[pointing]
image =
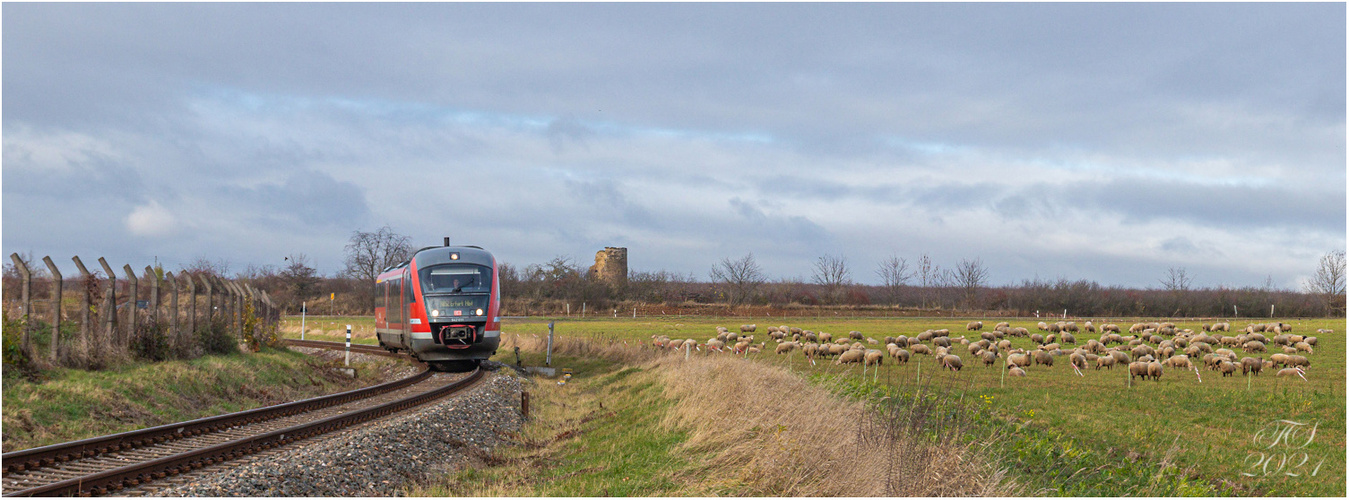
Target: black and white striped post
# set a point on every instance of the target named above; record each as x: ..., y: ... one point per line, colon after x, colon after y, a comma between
x: 348, y: 360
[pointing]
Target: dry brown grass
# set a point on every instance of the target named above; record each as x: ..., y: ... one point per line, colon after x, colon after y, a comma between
x: 768, y: 432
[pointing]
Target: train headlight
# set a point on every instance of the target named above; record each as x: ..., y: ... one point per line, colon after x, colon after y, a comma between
x: 435, y: 312
x: 478, y: 312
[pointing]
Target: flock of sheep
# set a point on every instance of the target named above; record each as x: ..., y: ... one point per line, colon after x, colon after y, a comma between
x: 1147, y: 351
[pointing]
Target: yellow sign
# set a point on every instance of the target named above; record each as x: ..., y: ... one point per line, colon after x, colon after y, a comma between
x: 332, y: 296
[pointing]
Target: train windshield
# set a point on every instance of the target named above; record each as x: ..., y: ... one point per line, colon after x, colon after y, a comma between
x: 456, y: 278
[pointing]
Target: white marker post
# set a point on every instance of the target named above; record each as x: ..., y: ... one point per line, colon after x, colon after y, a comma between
x: 348, y: 360
x: 302, y: 311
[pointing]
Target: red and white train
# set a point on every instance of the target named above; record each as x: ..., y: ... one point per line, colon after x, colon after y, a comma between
x: 441, y: 306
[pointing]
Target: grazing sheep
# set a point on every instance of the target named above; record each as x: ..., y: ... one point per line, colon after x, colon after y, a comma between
x: 1089, y: 327
x: 1105, y: 362
x: 921, y: 349
x: 1249, y: 365
x: 1179, y: 361
x: 1279, y: 359
x: 785, y: 348
x: 855, y: 335
x: 1078, y: 361
x: 1055, y: 328
x: 873, y: 358
x: 1001, y: 324
x: 941, y: 333
x: 989, y: 357
x: 1068, y: 338
x: 797, y: 330
x: 1020, y: 332
x: 952, y: 362
x: 1311, y: 341
x: 1138, y: 369
x: 1016, y: 371
x: 872, y: 341
x: 1324, y: 331
x: 1120, y: 356
x: 901, y: 356
x: 1286, y: 372
x: 1019, y: 359
x: 850, y: 356
x: 1289, y: 350
x: 1155, y: 371
x: 824, y: 338
x: 1141, y: 351
x: 1253, y: 346
x: 1044, y: 358
x: 1037, y: 338
x: 747, y: 328
x: 941, y: 341
x: 1227, y: 368
x: 1302, y: 361
x: 1042, y: 326
x: 974, y: 326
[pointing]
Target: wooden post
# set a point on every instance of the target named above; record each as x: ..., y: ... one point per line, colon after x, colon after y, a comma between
x: 133, y: 322
x: 151, y: 275
x: 56, y: 307
x: 174, y: 333
x: 87, y: 328
x: 26, y: 293
x: 110, y: 307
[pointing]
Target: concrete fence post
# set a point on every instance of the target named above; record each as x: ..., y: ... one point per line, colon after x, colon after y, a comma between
x: 151, y: 275
x: 132, y: 321
x: 87, y: 328
x: 242, y: 300
x: 110, y: 307
x: 26, y: 294
x: 191, y: 306
x: 175, y: 335
x: 56, y: 307
x: 210, y: 298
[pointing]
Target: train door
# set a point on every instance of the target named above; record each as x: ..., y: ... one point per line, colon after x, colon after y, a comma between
x: 406, y: 305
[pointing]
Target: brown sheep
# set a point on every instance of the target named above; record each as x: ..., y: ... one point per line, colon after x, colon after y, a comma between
x: 855, y: 335
x: 850, y: 356
x: 1179, y: 361
x: 1303, y: 347
x: 974, y: 326
x: 1078, y: 361
x: 900, y: 355
x: 824, y: 337
x: 1287, y: 372
x: 1141, y: 351
x: 1001, y: 324
x: 1016, y: 371
x: 921, y: 349
x: 1019, y: 359
x: 1253, y: 346
x: 990, y: 358
x: 1044, y: 358
x: 1299, y: 361
x: 1068, y: 338
x: 1249, y: 365
x: 1227, y: 368
x: 1037, y: 338
x: 747, y: 328
x: 1138, y: 369
x: 1042, y: 326
x: 785, y: 348
x: 1155, y: 371
x: 1107, y: 362
x: 952, y: 362
x: 942, y: 342
x: 874, y: 357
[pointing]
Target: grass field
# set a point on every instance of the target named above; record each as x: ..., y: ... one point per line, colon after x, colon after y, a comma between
x: 1225, y: 432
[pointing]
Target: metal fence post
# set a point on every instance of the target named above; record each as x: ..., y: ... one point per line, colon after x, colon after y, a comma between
x: 56, y: 307
x: 549, y: 357
x: 26, y: 293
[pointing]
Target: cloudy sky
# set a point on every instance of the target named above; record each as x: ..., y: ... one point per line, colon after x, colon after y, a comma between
x: 1106, y: 142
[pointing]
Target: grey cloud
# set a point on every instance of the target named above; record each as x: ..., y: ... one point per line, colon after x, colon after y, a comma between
x: 308, y: 199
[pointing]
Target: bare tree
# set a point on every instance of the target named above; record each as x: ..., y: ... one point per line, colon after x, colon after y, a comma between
x: 969, y: 277
x: 741, y: 277
x: 1328, y: 281
x: 894, y: 273
x: 202, y: 265
x: 300, y: 277
x: 832, y: 273
x: 369, y: 253
x: 1176, y: 280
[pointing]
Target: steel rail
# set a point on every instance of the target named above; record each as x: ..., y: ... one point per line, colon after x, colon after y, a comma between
x: 101, y: 483
x: 46, y: 456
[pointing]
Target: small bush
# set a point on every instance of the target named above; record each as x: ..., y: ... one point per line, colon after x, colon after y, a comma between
x: 215, y: 338
x: 13, y: 342
x: 152, y: 341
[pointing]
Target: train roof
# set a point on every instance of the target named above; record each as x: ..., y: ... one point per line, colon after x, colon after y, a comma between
x: 430, y: 256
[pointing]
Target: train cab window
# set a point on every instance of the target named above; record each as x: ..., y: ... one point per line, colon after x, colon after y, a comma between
x: 456, y: 278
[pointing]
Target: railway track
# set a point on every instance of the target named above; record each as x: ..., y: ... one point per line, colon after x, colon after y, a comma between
x: 101, y: 465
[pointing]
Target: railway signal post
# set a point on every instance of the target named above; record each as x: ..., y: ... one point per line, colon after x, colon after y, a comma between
x: 347, y: 362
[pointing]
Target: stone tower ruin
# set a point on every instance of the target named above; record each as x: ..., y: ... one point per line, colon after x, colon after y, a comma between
x: 611, y: 265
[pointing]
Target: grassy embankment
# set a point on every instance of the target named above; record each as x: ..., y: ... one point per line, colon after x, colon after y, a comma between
x: 64, y: 405
x: 1093, y: 434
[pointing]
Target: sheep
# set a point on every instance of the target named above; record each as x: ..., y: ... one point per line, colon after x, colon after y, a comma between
x: 1068, y: 338
x: 873, y: 358
x: 1311, y: 341
x: 1055, y: 328
x: 902, y: 341
x: 1249, y: 365
x: 1141, y: 351
x: 1021, y: 332
x: 1179, y: 361
x: 810, y: 349
x: 1107, y: 362
x: 1019, y: 359
x: 988, y: 336
x: 989, y: 357
x: 1089, y: 327
x: 1155, y: 371
x: 941, y: 332
x: 715, y: 345
x: 740, y: 347
x: 785, y: 348
x: 1042, y: 326
x: 1120, y: 356
x: 1037, y: 338
x: 1004, y: 344
x: 754, y: 349
x: 1289, y: 350
x: 1279, y: 359
x: 1016, y: 371
x: 1138, y: 369
x: 974, y: 326
x: 1253, y: 346
x: 824, y: 338
x: 1227, y: 368
x: 1044, y: 358
x: 1299, y: 361
x: 1324, y: 331
x: 952, y: 362
x: 921, y: 349
x: 855, y: 335
x: 941, y: 341
x: 1078, y: 361
x: 1303, y: 347
x: 900, y: 355
x: 1285, y: 327
x: 1002, y: 324
x: 850, y: 356
x: 747, y: 328
x: 1287, y: 372
x: 797, y: 330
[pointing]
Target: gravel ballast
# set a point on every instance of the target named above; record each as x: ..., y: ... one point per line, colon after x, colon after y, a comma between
x: 378, y: 458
